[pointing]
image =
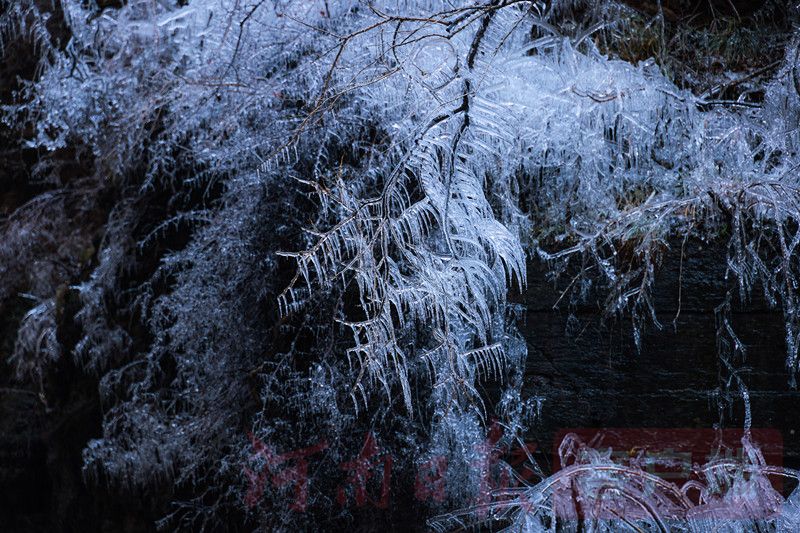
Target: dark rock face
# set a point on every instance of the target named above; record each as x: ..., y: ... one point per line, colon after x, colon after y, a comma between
x: 591, y: 376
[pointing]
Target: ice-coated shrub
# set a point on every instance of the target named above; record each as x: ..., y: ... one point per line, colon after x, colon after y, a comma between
x: 318, y: 210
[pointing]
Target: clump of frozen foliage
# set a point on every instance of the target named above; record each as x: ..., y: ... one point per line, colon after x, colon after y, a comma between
x: 407, y: 158
x: 591, y: 491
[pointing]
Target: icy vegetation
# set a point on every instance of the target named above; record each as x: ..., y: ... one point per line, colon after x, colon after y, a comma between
x: 736, y: 496
x: 313, y: 213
